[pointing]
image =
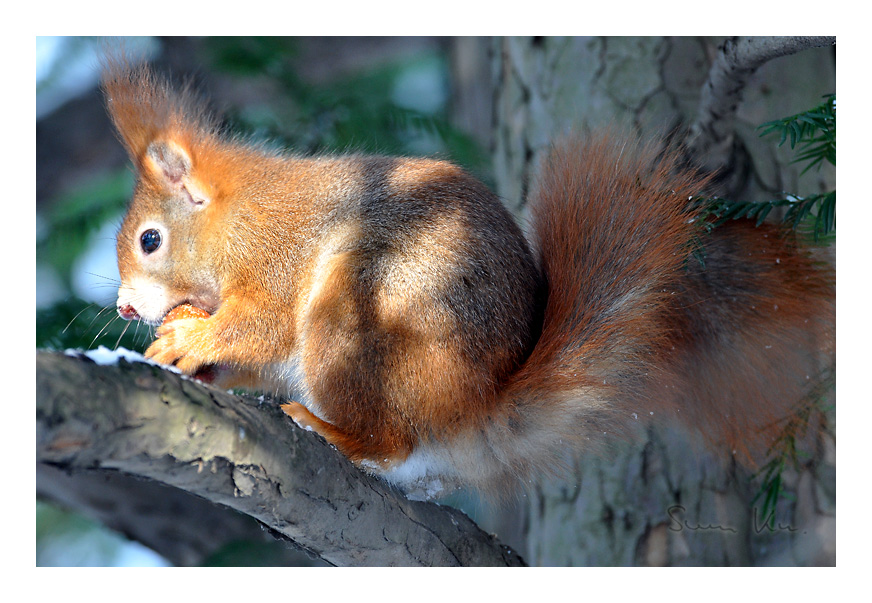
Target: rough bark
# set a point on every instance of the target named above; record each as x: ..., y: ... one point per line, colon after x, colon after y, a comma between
x: 140, y: 420
x: 710, y: 138
x: 547, y: 87
x: 658, y: 501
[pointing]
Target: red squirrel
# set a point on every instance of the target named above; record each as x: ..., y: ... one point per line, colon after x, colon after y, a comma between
x: 424, y: 335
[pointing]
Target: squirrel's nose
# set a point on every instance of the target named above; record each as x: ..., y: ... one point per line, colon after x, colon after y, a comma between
x: 127, y: 312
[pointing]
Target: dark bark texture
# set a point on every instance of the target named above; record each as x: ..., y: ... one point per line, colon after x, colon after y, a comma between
x: 113, y: 427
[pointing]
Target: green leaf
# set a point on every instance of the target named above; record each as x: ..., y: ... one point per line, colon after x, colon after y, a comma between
x: 813, y: 132
x: 765, y: 208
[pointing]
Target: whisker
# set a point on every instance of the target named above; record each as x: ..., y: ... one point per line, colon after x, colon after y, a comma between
x: 102, y: 286
x: 96, y: 316
x: 136, y: 332
x: 69, y: 324
x: 105, y: 278
x: 123, y: 331
x: 106, y: 326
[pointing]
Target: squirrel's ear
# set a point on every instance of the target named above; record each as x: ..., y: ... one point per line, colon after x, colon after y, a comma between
x: 152, y: 118
x: 168, y: 161
x: 171, y: 164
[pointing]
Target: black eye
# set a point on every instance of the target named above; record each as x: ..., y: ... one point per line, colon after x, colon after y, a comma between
x: 150, y: 240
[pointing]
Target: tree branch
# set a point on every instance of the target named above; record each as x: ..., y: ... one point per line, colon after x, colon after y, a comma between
x: 144, y: 421
x: 185, y: 529
x: 710, y: 137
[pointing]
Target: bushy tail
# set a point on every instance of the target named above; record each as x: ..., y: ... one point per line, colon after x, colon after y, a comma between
x: 648, y: 316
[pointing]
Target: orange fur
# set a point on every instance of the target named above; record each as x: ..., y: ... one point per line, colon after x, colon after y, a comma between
x: 401, y: 302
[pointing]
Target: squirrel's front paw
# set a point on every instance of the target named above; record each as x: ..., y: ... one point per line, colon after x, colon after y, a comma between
x: 180, y: 343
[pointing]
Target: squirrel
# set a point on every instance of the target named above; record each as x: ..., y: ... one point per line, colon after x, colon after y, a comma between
x: 422, y: 333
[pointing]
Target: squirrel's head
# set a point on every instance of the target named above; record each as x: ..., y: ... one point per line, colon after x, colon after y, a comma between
x: 165, y: 256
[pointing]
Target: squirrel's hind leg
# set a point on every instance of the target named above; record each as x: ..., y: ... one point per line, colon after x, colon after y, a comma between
x: 343, y: 442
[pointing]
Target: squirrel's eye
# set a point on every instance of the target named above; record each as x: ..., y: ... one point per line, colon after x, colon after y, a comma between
x: 150, y: 240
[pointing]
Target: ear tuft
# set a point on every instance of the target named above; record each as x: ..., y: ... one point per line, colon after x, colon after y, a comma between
x: 169, y: 162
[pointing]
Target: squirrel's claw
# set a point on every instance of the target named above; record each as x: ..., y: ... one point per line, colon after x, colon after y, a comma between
x: 178, y: 344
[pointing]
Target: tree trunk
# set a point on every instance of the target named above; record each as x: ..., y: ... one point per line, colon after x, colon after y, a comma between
x: 657, y: 501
